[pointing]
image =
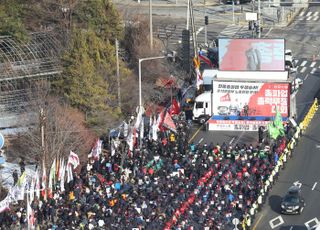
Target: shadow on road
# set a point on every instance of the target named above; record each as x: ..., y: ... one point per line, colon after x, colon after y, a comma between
x: 274, y: 203
x: 293, y: 227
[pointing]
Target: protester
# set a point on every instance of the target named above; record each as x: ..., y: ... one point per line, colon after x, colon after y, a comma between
x: 165, y: 184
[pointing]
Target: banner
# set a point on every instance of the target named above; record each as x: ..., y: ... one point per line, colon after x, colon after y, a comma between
x: 236, y: 125
x: 251, y: 54
x: 250, y: 99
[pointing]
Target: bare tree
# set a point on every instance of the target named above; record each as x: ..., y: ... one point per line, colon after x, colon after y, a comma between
x: 64, y: 130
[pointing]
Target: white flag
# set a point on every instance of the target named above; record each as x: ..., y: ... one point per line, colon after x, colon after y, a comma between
x: 142, y: 129
x: 155, y: 128
x: 69, y: 173
x: 73, y: 160
x: 32, y: 186
x: 139, y: 119
x: 62, y: 174
x: 130, y: 140
x: 30, y: 215
x: 37, y: 184
x: 96, y: 150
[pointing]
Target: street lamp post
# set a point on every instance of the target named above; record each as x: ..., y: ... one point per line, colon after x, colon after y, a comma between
x: 140, y: 93
x: 141, y: 60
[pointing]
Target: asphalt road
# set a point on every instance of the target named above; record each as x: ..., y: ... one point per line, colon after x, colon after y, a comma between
x: 303, y: 38
x: 304, y: 168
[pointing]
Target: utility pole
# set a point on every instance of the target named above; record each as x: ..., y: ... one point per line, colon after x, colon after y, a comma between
x: 259, y: 17
x: 118, y: 73
x: 188, y: 14
x: 151, y: 32
x: 194, y: 35
x: 233, y: 12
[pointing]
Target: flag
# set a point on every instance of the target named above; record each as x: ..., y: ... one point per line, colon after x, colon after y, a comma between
x: 52, y: 179
x: 150, y: 128
x: 273, y: 131
x: 58, y: 163
x: 130, y: 140
x: 32, y: 187
x: 199, y: 78
x: 142, y: 129
x: 44, y: 182
x: 155, y: 129
x: 37, y: 185
x: 138, y: 119
x: 160, y: 120
x: 20, y: 188
x: 278, y: 123
x: 73, y: 159
x: 30, y: 215
x: 69, y: 173
x: 168, y: 123
x: 73, y: 162
x: 61, y: 175
x: 175, y: 107
x: 96, y: 150
x: 62, y: 169
x: 206, y: 60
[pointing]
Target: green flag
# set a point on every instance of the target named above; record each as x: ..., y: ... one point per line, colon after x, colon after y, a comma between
x: 273, y: 131
x: 278, y: 122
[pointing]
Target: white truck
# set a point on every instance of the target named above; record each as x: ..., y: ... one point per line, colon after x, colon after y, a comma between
x: 208, y: 75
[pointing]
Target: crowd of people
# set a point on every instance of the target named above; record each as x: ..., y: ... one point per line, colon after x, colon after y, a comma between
x: 165, y: 184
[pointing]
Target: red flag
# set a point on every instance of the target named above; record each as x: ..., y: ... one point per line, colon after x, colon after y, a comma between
x: 175, y: 108
x: 206, y: 60
x: 160, y: 120
x: 168, y: 123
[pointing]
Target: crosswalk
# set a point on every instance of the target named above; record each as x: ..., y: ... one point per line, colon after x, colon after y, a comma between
x: 235, y: 31
x: 309, y: 16
x: 307, y: 66
x: 173, y: 32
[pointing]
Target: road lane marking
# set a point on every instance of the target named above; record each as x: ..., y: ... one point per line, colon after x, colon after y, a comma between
x: 297, y: 183
x: 314, y: 220
x: 313, y: 70
x: 258, y: 221
x: 303, y: 69
x: 309, y: 18
x: 231, y: 140
x: 291, y: 227
x: 316, y: 18
x: 306, y: 77
x: 303, y: 63
x: 314, y: 186
x: 199, y: 30
x: 200, y: 140
x: 309, y: 13
x: 302, y: 13
x: 318, y: 146
x: 316, y: 13
x: 279, y: 221
x: 195, y: 134
x: 313, y: 64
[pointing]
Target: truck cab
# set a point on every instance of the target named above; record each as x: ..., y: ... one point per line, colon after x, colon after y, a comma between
x: 202, y: 107
x: 289, y: 61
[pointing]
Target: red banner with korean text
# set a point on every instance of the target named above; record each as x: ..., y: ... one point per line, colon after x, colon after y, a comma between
x: 250, y: 99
